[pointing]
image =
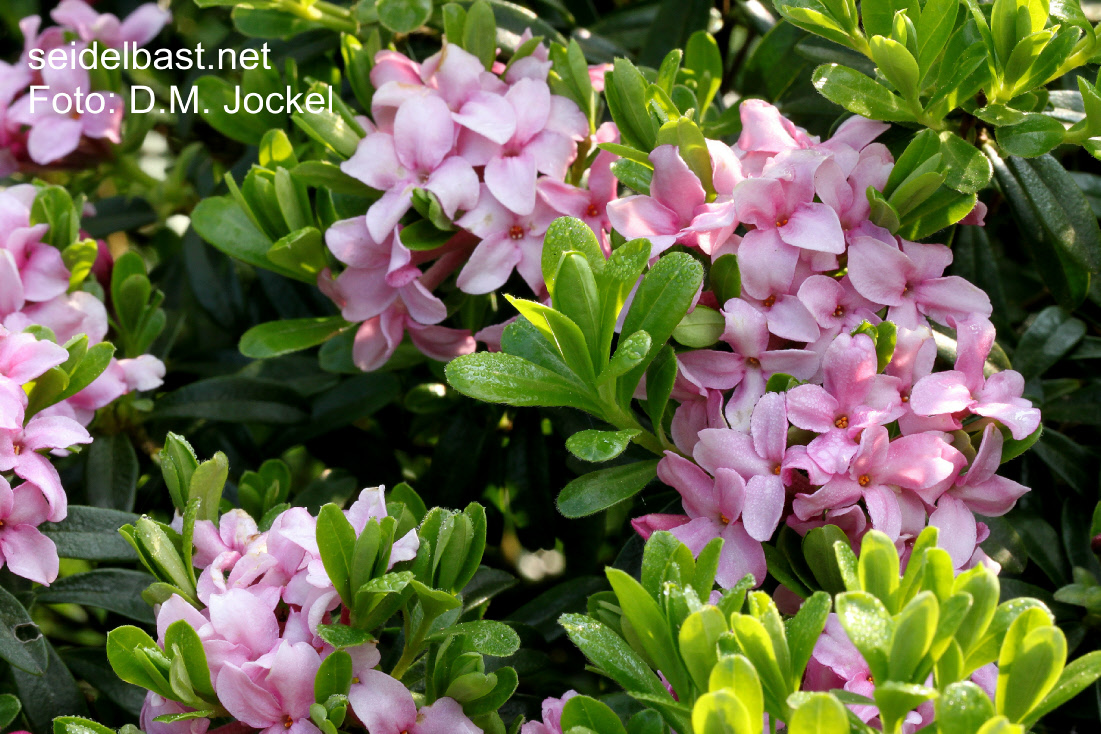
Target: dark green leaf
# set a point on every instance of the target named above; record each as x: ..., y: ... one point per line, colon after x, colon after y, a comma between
x: 590, y: 493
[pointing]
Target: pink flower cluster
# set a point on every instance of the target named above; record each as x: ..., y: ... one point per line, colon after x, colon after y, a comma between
x: 34, y: 284
x: 34, y: 291
x: 851, y: 445
x: 54, y: 125
x: 494, y: 149
x: 265, y: 593
x: 835, y: 663
x: 39, y: 497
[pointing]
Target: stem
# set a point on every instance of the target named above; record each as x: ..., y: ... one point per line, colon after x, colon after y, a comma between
x: 412, y: 648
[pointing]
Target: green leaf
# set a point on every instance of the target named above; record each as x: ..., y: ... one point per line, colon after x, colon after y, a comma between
x: 506, y: 378
x: 334, y: 127
x: 597, y: 446
x: 234, y: 399
x: 566, y: 336
x: 403, y: 16
x: 591, y: 714
x: 660, y: 377
x: 336, y: 540
x: 137, y: 659
x: 111, y: 473
x: 896, y: 64
x: 625, y: 94
x: 21, y: 642
x: 568, y: 234
x: 1050, y: 336
x: 578, y: 300
x: 803, y: 632
x: 629, y: 353
x: 966, y: 169
x: 276, y: 338
x: 963, y: 708
x: 301, y: 250
x: 700, y: 328
x: 661, y: 301
x: 722, y: 712
x: 480, y: 33
x: 341, y: 636
x: 486, y: 636
x: 216, y: 94
x: 1062, y: 209
x: 1068, y: 282
x: 699, y: 643
x: 9, y: 709
x: 1075, y: 678
x: 116, y: 589
x: 1032, y: 671
x: 91, y: 533
x: 590, y: 493
x: 859, y: 94
x: 818, y: 546
x: 607, y: 651
x: 207, y: 484
x: 820, y: 713
x: 725, y: 279
x: 223, y: 224
x: 914, y: 630
x: 702, y: 58
x: 78, y: 725
x: 870, y: 628
x: 325, y: 174
x: 895, y: 700
x: 334, y: 677
x: 1036, y: 135
x: 184, y: 643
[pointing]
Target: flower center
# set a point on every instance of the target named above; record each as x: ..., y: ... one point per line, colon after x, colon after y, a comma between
x: 905, y: 397
x: 839, y: 311
x: 842, y: 422
x: 516, y: 232
x: 288, y: 722
x: 725, y: 519
x: 753, y: 362
x: 593, y: 210
x: 770, y: 301
x: 776, y: 469
x: 781, y: 222
x: 16, y: 449
x: 864, y: 480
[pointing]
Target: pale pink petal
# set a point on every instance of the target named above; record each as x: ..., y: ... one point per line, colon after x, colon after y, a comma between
x: 384, y: 214
x: 789, y: 319
x: 423, y: 133
x: 489, y: 115
x: 812, y: 408
x: 511, y: 179
x: 455, y: 184
x: 946, y: 300
x: 552, y: 153
x: 878, y: 271
x: 883, y: 509
x: 764, y: 505
x: 814, y: 226
x: 643, y: 216
x: 442, y: 343
x: 489, y: 266
x: 376, y: 163
x: 767, y: 264
x: 674, y: 184
x: 383, y: 704
x: 245, y: 700
x: 376, y: 339
x: 53, y: 138
x: 740, y: 555
x: 445, y: 716
x: 29, y: 553
x: 942, y: 392
x: 958, y: 532
x: 695, y: 487
x: 531, y: 103
x: 143, y: 25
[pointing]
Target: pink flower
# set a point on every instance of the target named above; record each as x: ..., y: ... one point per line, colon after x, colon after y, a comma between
x: 23, y: 549
x: 765, y: 132
x: 19, y: 453
x: 543, y: 139
x: 30, y: 270
x: 552, y: 716
x: 509, y: 241
x: 22, y: 359
x: 835, y: 305
x: 880, y: 473
x: 591, y: 205
x: 379, y: 273
x: 676, y: 211
x: 758, y: 457
x: 747, y: 331
x: 377, y: 338
x: 979, y: 490
x: 155, y: 706
x: 140, y: 27
x: 275, y: 693
x: 418, y: 154
x: 385, y: 706
x: 851, y: 398
x: 55, y: 134
x: 715, y: 510
x: 966, y: 389
x: 910, y: 281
